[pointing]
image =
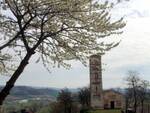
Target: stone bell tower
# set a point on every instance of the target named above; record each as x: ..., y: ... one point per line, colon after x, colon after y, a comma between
x: 96, y: 82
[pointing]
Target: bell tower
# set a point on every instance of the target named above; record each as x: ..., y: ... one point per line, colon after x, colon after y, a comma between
x: 96, y: 82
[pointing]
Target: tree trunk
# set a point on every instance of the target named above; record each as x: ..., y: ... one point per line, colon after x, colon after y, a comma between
x: 135, y: 101
x: 65, y: 108
x: 135, y: 106
x: 9, y: 85
x: 148, y: 108
x: 126, y: 105
x: 142, y: 105
x: 1, y: 110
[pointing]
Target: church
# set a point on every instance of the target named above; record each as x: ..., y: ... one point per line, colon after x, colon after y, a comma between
x: 102, y: 99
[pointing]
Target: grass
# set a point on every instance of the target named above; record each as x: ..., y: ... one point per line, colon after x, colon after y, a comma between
x: 106, y: 111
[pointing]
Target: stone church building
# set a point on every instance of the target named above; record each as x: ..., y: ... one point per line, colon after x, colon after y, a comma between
x: 102, y: 99
x: 113, y: 99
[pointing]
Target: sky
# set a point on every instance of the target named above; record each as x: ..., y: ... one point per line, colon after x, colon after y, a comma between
x: 131, y: 54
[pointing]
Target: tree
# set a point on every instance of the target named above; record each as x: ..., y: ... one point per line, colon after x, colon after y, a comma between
x: 84, y: 97
x: 143, y: 91
x: 66, y: 100
x: 133, y: 83
x: 128, y: 100
x: 54, y: 30
x: 137, y: 91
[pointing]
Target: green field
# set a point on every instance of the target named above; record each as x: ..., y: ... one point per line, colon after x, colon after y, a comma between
x: 106, y: 111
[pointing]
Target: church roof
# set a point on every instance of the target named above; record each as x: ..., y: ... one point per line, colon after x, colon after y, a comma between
x: 112, y: 90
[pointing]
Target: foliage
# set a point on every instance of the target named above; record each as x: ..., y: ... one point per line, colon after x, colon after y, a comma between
x: 31, y: 105
x: 106, y: 111
x: 65, y: 100
x: 66, y: 103
x: 84, y: 97
x: 4, y: 61
x: 59, y: 108
x: 57, y: 30
x: 45, y: 109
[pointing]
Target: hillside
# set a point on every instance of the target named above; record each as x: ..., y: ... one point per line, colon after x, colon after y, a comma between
x: 19, y: 93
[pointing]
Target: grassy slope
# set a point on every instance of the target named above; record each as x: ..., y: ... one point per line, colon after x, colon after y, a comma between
x: 106, y: 111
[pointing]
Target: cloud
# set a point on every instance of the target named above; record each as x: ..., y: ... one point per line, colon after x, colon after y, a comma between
x: 136, y: 14
x: 133, y: 9
x: 132, y: 53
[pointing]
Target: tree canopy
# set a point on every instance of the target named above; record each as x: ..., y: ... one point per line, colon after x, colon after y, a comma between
x: 56, y: 30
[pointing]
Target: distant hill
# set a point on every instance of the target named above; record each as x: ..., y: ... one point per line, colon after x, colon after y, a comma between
x: 21, y: 93
x: 25, y: 92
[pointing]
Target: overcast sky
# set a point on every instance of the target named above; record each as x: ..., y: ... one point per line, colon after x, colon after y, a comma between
x: 132, y: 54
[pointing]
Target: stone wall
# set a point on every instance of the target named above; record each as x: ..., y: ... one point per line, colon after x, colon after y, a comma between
x: 112, y: 97
x: 96, y: 82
